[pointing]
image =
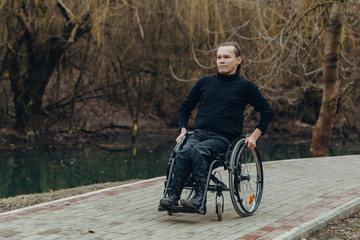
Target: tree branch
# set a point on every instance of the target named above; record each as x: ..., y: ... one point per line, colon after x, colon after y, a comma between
x: 65, y: 11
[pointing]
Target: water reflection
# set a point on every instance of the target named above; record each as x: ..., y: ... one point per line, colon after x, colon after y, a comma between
x: 34, y: 171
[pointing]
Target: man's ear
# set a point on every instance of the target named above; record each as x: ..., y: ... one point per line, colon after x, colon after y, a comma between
x: 239, y: 59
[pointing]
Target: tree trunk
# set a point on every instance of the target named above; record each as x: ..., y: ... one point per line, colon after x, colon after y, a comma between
x: 2, y: 104
x: 33, y: 57
x: 2, y: 89
x: 323, y: 127
x: 29, y: 88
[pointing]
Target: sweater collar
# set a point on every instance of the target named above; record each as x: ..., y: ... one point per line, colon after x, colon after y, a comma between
x: 231, y: 77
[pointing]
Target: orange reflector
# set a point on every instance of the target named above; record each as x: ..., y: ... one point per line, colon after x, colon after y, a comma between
x: 251, y: 199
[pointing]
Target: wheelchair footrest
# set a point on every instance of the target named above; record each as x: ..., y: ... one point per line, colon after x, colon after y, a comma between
x: 177, y: 209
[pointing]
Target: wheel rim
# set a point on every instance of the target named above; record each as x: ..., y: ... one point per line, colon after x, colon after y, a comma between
x: 249, y: 182
x: 246, y: 179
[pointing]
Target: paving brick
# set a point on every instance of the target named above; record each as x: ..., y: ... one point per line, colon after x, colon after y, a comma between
x: 295, y: 193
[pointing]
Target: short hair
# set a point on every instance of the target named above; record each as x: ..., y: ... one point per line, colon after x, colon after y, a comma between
x: 237, y: 50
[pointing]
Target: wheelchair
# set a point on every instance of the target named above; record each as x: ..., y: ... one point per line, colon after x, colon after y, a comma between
x: 246, y: 180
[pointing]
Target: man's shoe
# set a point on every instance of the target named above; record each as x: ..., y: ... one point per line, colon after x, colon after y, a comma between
x: 176, y: 187
x: 169, y: 202
x: 196, y: 200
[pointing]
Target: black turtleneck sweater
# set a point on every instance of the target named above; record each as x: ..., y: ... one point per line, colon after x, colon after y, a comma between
x: 221, y: 103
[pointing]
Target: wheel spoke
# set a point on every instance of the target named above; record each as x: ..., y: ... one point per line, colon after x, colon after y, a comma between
x: 246, y: 183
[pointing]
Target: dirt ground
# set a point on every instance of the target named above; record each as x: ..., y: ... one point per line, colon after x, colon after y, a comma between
x: 347, y: 228
x: 21, y: 201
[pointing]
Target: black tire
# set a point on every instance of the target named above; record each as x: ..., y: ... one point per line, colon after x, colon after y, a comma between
x: 219, y: 211
x: 246, y: 179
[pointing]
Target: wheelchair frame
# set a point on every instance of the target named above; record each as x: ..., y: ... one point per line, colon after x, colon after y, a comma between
x: 245, y: 180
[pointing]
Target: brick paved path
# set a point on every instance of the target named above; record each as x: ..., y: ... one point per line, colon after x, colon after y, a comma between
x: 299, y: 195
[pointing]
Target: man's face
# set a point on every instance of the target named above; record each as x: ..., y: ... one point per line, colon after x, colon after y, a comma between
x: 226, y: 60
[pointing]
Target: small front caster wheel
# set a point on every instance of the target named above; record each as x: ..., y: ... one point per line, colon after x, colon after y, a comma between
x: 219, y: 211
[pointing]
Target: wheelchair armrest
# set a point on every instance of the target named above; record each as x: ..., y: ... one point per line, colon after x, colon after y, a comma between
x: 182, y: 142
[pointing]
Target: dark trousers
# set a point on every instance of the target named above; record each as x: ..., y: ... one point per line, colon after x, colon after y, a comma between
x: 193, y: 157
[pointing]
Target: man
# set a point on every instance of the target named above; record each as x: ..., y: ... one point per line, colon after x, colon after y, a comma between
x: 221, y: 101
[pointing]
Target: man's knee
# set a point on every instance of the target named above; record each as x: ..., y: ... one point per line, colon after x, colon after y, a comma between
x: 200, y: 151
x: 183, y: 163
x: 200, y: 156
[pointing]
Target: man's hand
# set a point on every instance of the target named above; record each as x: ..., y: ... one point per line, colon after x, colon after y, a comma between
x: 251, y: 141
x: 182, y: 133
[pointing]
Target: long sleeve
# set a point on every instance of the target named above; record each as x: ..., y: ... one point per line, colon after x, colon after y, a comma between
x: 188, y: 105
x: 260, y: 104
x: 221, y: 101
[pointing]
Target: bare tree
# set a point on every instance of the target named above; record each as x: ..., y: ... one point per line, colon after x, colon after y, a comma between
x: 3, y: 52
x: 136, y: 54
x: 323, y: 127
x: 2, y: 105
x: 139, y: 45
x: 283, y: 44
x: 41, y: 32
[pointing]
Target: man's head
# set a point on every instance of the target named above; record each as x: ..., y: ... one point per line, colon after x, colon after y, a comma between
x: 228, y: 58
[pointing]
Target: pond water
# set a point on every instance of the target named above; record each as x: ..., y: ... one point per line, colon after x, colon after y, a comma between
x: 48, y: 168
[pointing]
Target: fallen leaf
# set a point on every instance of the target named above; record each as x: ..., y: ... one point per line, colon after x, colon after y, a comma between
x: 86, y: 231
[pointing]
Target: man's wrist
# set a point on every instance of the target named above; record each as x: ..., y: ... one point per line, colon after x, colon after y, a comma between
x: 256, y: 134
x: 183, y: 130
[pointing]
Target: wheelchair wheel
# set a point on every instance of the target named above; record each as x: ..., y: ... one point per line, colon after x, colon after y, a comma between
x: 219, y: 211
x: 245, y: 179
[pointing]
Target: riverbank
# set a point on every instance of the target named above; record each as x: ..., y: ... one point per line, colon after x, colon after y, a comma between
x: 280, y: 130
